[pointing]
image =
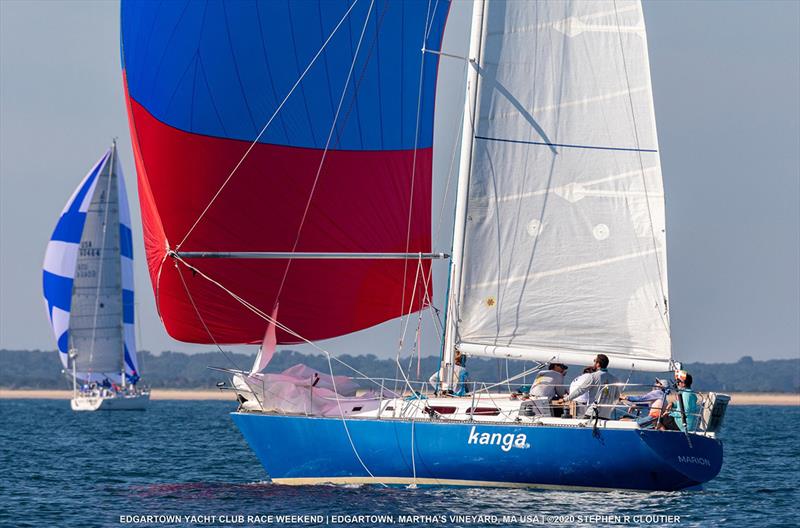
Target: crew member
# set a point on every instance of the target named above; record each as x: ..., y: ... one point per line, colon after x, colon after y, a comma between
x: 457, y: 384
x: 548, y: 384
x: 602, y: 387
x: 674, y: 420
x: 582, y: 401
x: 653, y: 399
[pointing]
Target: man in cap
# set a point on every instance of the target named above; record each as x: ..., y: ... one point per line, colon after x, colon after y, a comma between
x: 674, y: 421
x: 548, y: 384
x: 654, y: 400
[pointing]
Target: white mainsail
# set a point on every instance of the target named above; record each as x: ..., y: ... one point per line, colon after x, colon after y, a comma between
x: 95, y: 325
x: 564, y: 234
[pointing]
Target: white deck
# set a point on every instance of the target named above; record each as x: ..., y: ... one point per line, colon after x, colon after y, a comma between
x: 489, y: 408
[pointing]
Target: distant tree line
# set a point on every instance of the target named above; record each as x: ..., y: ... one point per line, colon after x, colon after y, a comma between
x: 42, y: 370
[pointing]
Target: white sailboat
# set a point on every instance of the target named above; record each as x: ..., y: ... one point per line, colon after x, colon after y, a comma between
x: 558, y: 250
x: 88, y: 292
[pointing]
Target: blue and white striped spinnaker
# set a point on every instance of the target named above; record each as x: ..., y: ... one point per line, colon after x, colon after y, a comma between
x: 88, y: 277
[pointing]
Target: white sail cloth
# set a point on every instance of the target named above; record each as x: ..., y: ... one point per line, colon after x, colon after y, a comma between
x: 565, y: 233
x: 95, y: 325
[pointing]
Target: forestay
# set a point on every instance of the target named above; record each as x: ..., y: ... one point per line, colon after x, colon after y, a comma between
x: 565, y: 237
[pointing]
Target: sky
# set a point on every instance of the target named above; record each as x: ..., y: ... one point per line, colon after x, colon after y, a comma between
x: 726, y: 81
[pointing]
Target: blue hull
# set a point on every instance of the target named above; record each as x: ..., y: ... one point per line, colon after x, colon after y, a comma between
x: 307, y: 450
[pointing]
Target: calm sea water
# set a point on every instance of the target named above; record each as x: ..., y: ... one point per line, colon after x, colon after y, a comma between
x: 61, y: 468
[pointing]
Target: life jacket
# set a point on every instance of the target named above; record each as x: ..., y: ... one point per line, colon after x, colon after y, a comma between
x: 656, y: 409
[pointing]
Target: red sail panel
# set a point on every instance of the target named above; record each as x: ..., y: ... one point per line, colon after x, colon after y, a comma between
x: 361, y: 203
x: 155, y: 241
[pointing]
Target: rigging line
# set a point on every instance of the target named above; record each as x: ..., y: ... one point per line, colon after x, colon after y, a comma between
x: 264, y: 315
x: 400, y: 343
x: 344, y: 423
x: 137, y: 318
x: 103, y: 255
x: 416, y: 349
x: 269, y: 122
x: 267, y: 318
x: 366, y: 377
x: 437, y: 324
x: 327, y: 147
x: 252, y: 391
x: 405, y: 330
x: 414, y: 167
x: 200, y: 317
x: 429, y: 22
x: 622, y: 390
x: 522, y: 374
x: 357, y: 84
x: 456, y: 149
x: 399, y: 368
x: 665, y: 316
x: 415, y: 396
x: 434, y: 312
x: 410, y: 304
x: 507, y: 414
x: 419, y: 346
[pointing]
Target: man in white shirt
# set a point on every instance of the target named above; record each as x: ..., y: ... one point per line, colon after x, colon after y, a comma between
x: 602, y: 387
x: 582, y: 401
x: 548, y: 384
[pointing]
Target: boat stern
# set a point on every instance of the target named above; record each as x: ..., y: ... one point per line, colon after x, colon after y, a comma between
x: 697, y: 457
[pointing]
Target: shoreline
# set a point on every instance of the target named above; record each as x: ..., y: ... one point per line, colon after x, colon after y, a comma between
x: 737, y: 398
x: 155, y: 394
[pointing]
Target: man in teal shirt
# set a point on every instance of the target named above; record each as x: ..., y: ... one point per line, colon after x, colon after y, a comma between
x: 674, y: 421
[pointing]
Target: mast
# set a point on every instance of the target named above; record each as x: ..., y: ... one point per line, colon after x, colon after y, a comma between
x: 73, y: 354
x: 462, y: 193
x: 113, y: 165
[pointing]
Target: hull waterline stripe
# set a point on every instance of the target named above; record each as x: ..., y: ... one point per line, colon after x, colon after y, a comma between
x: 403, y: 481
x: 564, y: 145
